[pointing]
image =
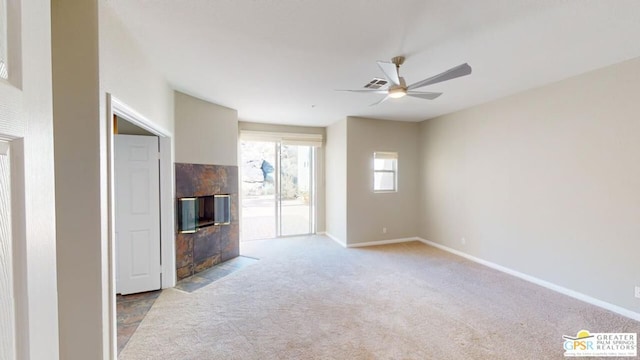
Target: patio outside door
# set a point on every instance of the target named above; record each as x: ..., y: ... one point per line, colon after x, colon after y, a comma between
x: 277, y: 189
x: 295, y: 190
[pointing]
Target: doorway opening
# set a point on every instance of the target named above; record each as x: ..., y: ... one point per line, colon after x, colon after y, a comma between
x: 277, y: 189
x: 139, y: 125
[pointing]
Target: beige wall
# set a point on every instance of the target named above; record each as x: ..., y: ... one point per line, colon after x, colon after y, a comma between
x: 93, y: 55
x: 206, y: 133
x: 79, y: 134
x: 546, y: 182
x: 130, y: 77
x: 336, y: 181
x: 369, y: 212
x: 127, y: 73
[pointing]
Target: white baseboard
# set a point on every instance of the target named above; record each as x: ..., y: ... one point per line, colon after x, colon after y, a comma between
x: 383, y: 242
x: 368, y: 243
x: 342, y: 243
x: 551, y: 286
x: 562, y: 290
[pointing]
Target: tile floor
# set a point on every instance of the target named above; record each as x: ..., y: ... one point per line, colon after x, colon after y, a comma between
x: 206, y: 277
x: 131, y: 309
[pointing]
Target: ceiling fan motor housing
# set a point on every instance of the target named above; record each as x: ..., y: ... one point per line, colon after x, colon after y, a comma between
x: 397, y: 91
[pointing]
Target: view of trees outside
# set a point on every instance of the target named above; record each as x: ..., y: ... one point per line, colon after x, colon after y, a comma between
x: 294, y: 163
x: 258, y: 172
x: 258, y: 168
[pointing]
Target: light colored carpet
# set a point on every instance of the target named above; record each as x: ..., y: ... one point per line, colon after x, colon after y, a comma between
x: 309, y: 298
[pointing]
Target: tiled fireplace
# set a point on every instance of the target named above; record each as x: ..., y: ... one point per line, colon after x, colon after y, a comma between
x: 210, y: 245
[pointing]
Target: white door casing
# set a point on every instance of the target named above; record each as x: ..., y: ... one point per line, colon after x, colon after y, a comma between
x: 137, y: 215
x: 7, y: 309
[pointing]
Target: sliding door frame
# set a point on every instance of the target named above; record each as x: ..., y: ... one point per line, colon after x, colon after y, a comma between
x: 277, y: 202
x: 312, y: 190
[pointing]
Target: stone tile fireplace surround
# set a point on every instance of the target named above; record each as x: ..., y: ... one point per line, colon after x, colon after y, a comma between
x: 213, y: 244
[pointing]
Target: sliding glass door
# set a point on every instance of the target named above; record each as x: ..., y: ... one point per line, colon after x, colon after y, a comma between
x: 277, y: 185
x: 258, y: 187
x: 295, y: 189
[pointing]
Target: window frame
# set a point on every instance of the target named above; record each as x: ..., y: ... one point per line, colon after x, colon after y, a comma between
x: 386, y: 155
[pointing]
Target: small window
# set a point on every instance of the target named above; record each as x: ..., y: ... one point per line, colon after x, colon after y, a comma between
x: 385, y: 171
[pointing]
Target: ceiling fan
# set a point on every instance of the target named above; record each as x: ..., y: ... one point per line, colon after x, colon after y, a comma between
x: 397, y: 86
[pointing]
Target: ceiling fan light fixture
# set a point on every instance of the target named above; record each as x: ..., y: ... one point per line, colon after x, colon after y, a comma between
x: 398, y: 87
x: 396, y: 93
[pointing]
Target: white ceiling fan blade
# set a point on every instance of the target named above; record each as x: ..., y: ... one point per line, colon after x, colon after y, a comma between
x: 370, y: 91
x: 424, y: 95
x: 390, y: 72
x: 460, y: 70
x: 380, y: 101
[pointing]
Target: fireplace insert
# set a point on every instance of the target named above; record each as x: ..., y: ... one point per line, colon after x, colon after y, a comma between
x: 202, y: 211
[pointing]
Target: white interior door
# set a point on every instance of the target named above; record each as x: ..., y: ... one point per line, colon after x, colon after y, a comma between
x: 137, y: 218
x: 7, y: 310
x: 28, y: 277
x: 7, y: 317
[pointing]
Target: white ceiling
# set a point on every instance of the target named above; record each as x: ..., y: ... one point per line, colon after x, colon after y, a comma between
x: 280, y: 61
